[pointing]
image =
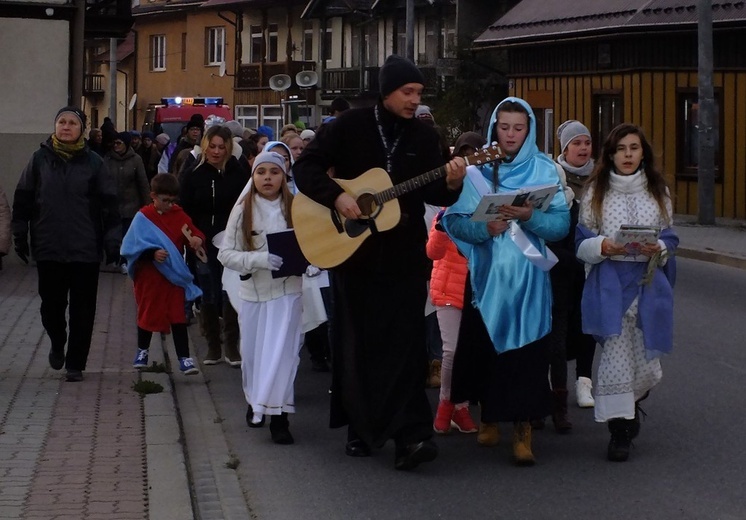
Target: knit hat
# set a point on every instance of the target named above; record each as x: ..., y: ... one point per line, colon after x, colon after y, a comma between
x: 163, y: 139
x: 235, y: 128
x: 135, y: 133
x: 269, y: 157
x: 397, y: 71
x: 266, y: 130
x: 125, y: 137
x: 339, y: 104
x: 197, y: 120
x: 148, y: 135
x: 423, y: 112
x: 568, y: 131
x: 307, y: 134
x: 75, y: 111
x: 472, y: 139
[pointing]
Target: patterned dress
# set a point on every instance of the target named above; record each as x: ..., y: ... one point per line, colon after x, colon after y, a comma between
x: 624, y: 372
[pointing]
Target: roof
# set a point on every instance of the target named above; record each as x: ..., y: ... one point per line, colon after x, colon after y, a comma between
x: 169, y: 6
x: 125, y: 48
x: 536, y: 20
x: 252, y: 3
x: 330, y: 8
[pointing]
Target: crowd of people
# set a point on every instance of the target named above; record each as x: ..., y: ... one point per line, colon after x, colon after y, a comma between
x: 512, y: 299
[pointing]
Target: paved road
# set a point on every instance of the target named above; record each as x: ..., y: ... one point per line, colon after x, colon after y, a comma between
x: 687, y: 464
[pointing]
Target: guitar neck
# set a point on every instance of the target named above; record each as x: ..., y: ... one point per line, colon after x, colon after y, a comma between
x: 411, y: 185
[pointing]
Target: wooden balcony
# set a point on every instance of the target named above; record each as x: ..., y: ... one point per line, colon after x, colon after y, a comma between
x: 256, y: 75
x: 356, y: 82
x: 93, y: 84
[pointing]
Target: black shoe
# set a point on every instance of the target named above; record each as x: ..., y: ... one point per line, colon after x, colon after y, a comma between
x: 250, y: 416
x: 56, y: 359
x: 412, y: 455
x: 621, y: 439
x: 279, y: 428
x: 74, y: 376
x: 319, y: 365
x: 357, y: 448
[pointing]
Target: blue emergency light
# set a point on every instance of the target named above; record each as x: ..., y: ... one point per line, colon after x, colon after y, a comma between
x: 170, y: 101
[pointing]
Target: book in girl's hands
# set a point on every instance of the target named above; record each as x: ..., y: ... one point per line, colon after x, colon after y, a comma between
x: 488, y: 209
x: 285, y: 245
x: 633, y: 238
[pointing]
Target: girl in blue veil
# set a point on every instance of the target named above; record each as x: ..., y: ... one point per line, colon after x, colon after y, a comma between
x: 502, y: 355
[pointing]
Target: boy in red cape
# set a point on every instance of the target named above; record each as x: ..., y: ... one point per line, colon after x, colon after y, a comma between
x: 154, y: 248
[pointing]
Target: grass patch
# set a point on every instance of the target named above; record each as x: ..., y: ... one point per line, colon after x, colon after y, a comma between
x: 233, y: 462
x: 155, y: 367
x: 145, y: 387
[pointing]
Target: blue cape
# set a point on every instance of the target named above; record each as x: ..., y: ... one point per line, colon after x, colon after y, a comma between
x: 143, y: 235
x: 612, y: 286
x: 514, y: 297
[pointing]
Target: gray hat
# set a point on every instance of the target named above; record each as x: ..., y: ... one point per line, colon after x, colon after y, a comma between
x: 235, y: 128
x: 163, y: 139
x: 568, y: 131
x: 269, y: 157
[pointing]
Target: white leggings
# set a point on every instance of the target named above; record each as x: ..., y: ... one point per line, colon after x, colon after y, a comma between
x: 449, y: 320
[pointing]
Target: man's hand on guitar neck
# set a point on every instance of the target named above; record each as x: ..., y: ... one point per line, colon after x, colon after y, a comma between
x: 456, y: 170
x: 347, y: 206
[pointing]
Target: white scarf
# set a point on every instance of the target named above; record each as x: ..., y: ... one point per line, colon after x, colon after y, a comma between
x: 634, y: 183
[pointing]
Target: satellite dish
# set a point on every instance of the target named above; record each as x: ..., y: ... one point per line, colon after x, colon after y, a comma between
x: 133, y: 100
x: 306, y: 78
x: 221, y: 70
x: 279, y: 82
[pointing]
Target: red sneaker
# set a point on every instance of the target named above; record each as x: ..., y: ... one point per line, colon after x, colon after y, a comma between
x: 442, y: 422
x: 462, y: 420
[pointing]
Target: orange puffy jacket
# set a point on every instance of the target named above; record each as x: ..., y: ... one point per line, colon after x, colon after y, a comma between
x: 449, y: 269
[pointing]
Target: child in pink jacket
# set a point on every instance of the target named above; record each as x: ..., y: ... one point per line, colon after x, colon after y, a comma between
x: 447, y: 294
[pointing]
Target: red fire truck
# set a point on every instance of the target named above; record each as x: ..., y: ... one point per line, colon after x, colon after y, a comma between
x: 173, y: 113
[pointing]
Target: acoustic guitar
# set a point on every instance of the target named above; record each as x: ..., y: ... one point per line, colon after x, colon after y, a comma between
x: 327, y: 239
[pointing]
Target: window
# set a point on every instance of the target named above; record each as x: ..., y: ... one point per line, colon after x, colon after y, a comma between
x: 307, y: 41
x: 688, y: 135
x: 183, y: 50
x: 248, y: 115
x: 158, y: 52
x: 272, y: 57
x: 215, y: 46
x: 257, y: 44
x: 272, y: 116
x: 355, y: 48
x: 544, y: 129
x: 401, y: 37
x: 371, y: 46
x: 608, y: 114
x: 327, y: 35
x: 448, y: 38
x: 307, y: 114
x: 430, y: 56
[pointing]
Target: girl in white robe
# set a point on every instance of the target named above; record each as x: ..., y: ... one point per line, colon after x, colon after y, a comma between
x: 270, y: 312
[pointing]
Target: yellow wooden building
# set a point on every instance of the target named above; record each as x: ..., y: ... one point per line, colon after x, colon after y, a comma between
x: 618, y: 62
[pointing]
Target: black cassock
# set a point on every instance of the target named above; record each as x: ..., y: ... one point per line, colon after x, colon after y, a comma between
x: 379, y: 358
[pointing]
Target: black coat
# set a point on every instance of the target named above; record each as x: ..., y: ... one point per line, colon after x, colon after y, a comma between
x: 378, y: 346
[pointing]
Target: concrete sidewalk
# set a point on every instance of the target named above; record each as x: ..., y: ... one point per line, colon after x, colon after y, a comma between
x: 97, y: 450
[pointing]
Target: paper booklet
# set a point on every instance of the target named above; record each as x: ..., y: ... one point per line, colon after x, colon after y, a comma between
x: 285, y: 245
x: 633, y: 238
x: 540, y: 196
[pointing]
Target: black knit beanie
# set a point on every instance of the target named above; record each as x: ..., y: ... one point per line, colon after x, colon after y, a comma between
x: 196, y: 120
x: 73, y: 110
x: 397, y: 71
x: 125, y: 137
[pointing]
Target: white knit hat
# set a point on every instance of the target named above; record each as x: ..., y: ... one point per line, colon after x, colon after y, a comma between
x: 568, y: 131
x: 307, y: 134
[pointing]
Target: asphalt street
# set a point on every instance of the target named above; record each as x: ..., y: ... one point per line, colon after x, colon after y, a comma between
x: 687, y: 463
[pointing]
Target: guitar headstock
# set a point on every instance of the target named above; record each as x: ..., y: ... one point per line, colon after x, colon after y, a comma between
x: 486, y: 155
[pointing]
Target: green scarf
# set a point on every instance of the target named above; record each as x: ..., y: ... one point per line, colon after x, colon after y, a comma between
x: 66, y: 150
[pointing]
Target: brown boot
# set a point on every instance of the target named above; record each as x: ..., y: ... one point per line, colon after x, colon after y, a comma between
x: 231, y: 334
x: 522, y: 454
x: 489, y: 434
x: 211, y: 322
x: 559, y: 411
x: 433, y: 380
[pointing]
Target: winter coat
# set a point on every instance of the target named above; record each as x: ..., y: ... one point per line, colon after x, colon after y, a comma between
x: 150, y: 157
x: 208, y: 196
x: 70, y: 206
x: 449, y: 270
x: 133, y: 190
x: 5, y: 218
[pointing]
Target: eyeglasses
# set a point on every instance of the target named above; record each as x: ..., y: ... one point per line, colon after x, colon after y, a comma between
x: 117, y: 143
x: 170, y: 201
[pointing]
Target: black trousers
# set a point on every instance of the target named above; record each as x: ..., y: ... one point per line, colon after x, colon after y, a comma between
x: 77, y: 281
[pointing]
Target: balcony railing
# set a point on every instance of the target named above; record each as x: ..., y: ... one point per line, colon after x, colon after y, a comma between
x: 93, y: 84
x: 354, y: 81
x: 256, y: 75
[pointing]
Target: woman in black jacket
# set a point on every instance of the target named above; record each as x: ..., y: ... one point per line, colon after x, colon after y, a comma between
x: 208, y: 194
x: 68, y: 200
